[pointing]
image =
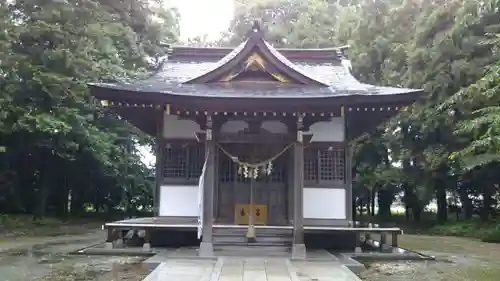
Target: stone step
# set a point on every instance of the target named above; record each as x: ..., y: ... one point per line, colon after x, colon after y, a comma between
x: 262, y: 250
x: 258, y: 231
x: 258, y: 243
x: 252, y: 254
x: 258, y: 239
x: 269, y: 242
x: 257, y: 234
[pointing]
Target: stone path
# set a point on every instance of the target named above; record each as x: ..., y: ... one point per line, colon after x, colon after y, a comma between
x: 250, y: 269
x: 322, y: 271
x: 183, y: 270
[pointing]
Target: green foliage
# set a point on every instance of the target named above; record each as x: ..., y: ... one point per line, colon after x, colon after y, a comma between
x: 20, y: 221
x: 462, y: 229
x: 60, y: 143
x: 492, y: 236
x: 446, y: 144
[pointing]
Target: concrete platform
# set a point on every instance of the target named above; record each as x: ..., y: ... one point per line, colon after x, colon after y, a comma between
x: 181, y: 223
x: 250, y: 269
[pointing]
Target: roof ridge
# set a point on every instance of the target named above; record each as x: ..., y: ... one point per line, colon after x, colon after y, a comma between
x: 334, y: 53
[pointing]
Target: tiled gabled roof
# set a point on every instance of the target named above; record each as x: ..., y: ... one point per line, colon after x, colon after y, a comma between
x: 327, y: 69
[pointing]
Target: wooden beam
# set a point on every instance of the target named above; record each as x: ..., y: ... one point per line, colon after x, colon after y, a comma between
x: 298, y: 247
x: 159, y: 149
x: 206, y: 246
x: 348, y: 182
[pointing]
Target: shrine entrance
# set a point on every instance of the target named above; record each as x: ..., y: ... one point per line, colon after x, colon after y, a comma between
x: 242, y: 191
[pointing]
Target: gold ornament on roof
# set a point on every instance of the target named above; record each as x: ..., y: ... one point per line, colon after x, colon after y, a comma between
x: 255, y: 62
x: 279, y: 77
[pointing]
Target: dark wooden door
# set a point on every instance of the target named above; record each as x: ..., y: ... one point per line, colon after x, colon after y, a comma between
x: 269, y: 190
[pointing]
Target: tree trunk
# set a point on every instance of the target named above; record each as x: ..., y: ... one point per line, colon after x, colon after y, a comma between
x: 42, y: 194
x: 442, y: 205
x: 467, y: 207
x: 407, y: 171
x: 360, y: 201
x: 76, y: 201
x: 354, y: 215
x: 384, y: 204
x: 41, y: 201
x: 368, y: 206
x: 417, y: 213
x: 372, y: 196
x: 62, y: 201
x: 407, y: 212
x: 487, y: 203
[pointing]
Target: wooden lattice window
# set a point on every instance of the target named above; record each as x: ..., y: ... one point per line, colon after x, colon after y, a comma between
x: 331, y: 164
x: 183, y: 160
x: 227, y: 169
x: 324, y: 164
x: 310, y: 164
x: 278, y: 173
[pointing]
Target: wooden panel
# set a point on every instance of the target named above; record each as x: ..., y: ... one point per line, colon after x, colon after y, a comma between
x: 269, y: 191
x: 225, y: 203
x: 242, y: 213
x: 271, y: 195
x: 278, y: 206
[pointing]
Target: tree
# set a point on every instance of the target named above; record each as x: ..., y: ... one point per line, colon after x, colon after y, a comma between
x: 59, y: 142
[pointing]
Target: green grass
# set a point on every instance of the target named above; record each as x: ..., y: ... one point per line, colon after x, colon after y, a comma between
x: 475, y: 228
x: 23, y: 221
x: 23, y: 225
x: 487, y: 232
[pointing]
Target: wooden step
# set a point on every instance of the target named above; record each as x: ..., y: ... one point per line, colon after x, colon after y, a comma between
x: 223, y: 240
x: 257, y: 243
x: 264, y: 239
x: 269, y: 241
x: 258, y: 231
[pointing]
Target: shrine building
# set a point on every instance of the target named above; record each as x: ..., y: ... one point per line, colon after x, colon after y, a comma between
x: 253, y: 140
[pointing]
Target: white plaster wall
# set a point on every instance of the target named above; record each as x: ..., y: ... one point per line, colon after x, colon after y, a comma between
x: 234, y: 126
x: 174, y: 128
x: 324, y: 203
x: 329, y: 131
x: 179, y: 200
x: 274, y: 126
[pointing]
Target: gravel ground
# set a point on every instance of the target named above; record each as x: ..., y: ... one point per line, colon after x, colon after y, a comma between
x: 48, y: 259
x: 457, y: 259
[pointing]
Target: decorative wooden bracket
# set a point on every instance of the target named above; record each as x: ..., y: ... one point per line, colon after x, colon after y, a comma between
x: 208, y: 135
x: 300, y: 126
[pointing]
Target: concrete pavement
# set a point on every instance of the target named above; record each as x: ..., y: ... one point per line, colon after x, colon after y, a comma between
x: 250, y: 269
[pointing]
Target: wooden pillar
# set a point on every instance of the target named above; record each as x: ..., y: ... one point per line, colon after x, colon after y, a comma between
x: 357, y: 248
x: 159, y: 161
x: 206, y: 246
x: 348, y: 182
x: 394, y: 242
x: 290, y: 187
x: 147, y: 239
x: 383, y: 242
x: 348, y: 152
x: 298, y: 247
x: 110, y: 238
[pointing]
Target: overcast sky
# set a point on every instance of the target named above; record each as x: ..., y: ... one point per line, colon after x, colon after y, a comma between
x: 199, y: 17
